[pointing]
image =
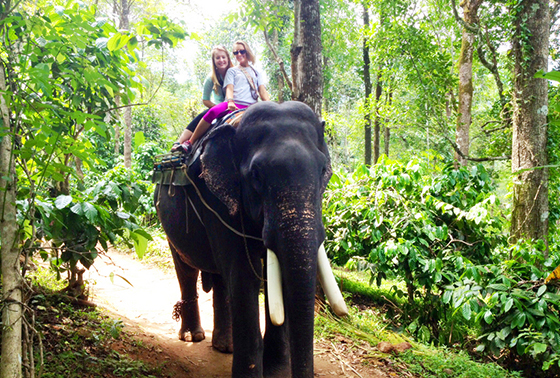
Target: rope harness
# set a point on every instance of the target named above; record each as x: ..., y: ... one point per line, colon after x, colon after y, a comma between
x: 180, y: 305
x: 184, y: 168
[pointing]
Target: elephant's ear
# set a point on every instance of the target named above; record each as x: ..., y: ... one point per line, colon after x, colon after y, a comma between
x: 324, y: 149
x: 218, y: 167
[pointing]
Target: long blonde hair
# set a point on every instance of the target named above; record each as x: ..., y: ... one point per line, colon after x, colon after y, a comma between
x: 250, y: 56
x: 215, y: 78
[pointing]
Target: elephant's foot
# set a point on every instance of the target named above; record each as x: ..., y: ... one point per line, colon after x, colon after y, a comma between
x: 222, y: 341
x: 277, y: 366
x: 196, y: 335
x: 277, y: 372
x: 276, y: 360
x: 187, y: 312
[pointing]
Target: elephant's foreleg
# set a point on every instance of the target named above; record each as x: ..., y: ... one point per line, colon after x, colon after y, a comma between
x: 247, y: 338
x: 221, y: 336
x: 276, y: 354
x: 187, y: 307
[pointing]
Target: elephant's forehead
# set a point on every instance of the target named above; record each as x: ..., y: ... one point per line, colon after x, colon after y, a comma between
x: 276, y: 127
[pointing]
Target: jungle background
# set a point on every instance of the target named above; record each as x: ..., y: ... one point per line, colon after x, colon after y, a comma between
x: 442, y: 121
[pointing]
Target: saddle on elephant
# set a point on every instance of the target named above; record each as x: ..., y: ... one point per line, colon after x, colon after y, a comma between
x: 171, y: 168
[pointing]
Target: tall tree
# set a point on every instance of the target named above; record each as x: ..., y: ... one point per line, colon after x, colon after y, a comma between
x: 464, y: 119
x: 529, y: 217
x: 367, y: 88
x: 124, y: 24
x: 307, y: 58
x: 377, y: 122
x: 12, y: 281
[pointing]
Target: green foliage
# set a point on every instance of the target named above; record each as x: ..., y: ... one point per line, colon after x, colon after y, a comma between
x: 515, y: 309
x: 63, y: 82
x: 414, y: 227
x: 143, y: 158
x: 446, y: 364
x: 391, y: 208
x: 134, y: 191
x: 63, y: 75
x: 372, y: 325
x: 148, y: 120
x: 83, y: 343
x: 75, y: 224
x: 553, y: 145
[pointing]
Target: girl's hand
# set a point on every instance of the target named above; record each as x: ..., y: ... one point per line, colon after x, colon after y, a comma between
x: 231, y: 106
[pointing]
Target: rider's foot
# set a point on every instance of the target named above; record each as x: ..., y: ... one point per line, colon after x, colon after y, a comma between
x: 185, y: 147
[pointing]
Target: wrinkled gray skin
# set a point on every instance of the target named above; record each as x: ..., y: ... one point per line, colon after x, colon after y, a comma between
x: 270, y: 174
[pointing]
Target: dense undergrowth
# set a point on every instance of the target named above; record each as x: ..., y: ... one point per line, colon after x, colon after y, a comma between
x: 442, y: 236
x: 84, y: 342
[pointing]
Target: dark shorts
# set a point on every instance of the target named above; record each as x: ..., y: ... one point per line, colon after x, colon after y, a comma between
x: 196, y: 120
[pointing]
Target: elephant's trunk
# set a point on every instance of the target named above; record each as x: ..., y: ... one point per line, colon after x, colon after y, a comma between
x: 300, y: 274
x: 296, y: 240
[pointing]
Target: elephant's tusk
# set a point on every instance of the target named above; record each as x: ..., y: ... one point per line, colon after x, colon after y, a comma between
x: 274, y: 285
x: 328, y: 283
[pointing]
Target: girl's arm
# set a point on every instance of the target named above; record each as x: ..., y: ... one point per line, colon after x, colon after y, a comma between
x: 229, y: 98
x: 264, y: 93
x: 207, y: 92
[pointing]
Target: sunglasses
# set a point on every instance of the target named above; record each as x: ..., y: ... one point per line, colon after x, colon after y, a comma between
x: 240, y: 52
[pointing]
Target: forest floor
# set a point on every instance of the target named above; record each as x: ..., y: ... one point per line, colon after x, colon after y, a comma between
x: 142, y: 296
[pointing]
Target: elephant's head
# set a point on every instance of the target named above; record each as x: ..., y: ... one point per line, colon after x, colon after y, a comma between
x: 275, y: 168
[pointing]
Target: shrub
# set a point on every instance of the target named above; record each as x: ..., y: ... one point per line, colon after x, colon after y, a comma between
x: 75, y: 224
x: 415, y: 226
x: 517, y: 312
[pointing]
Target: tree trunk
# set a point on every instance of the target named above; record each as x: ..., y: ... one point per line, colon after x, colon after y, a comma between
x: 309, y: 75
x: 295, y: 51
x: 128, y: 137
x: 279, y: 78
x: 125, y: 25
x: 12, y: 313
x: 377, y: 127
x: 529, y: 218
x: 386, y: 139
x: 387, y: 129
x: 367, y: 85
x: 117, y: 121
x: 470, y: 9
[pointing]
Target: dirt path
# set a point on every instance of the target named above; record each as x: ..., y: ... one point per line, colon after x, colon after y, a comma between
x: 146, y: 307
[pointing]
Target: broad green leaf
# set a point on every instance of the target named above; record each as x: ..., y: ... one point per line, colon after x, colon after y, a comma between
x: 519, y: 320
x: 139, y: 139
x: 27, y: 229
x: 467, y: 311
x: 62, y: 201
x: 552, y: 75
x: 77, y: 209
x: 143, y: 232
x: 122, y: 215
x: 500, y: 287
x: 90, y: 211
x: 504, y: 333
x: 140, y: 244
x: 488, y: 316
x: 539, y: 348
x: 508, y: 305
x: 117, y: 41
x: 447, y: 296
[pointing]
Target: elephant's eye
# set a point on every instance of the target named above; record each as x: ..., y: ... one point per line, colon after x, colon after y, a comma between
x: 256, y: 179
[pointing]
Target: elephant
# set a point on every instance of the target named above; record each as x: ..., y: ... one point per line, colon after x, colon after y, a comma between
x: 254, y: 188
